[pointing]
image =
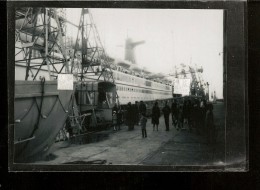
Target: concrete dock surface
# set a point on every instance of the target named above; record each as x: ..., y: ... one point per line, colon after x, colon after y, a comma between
x: 175, y: 147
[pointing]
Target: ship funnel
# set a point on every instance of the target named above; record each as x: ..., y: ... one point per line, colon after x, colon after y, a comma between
x: 129, y: 49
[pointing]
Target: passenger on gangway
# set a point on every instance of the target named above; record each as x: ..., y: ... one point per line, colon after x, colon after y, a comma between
x: 166, y: 112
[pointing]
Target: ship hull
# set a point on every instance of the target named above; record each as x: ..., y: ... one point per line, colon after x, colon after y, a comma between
x: 38, y: 117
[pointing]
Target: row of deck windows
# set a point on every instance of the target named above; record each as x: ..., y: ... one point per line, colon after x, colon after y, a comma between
x: 136, y: 80
x: 131, y: 89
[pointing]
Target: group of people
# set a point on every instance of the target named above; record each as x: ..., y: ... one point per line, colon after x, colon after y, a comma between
x: 195, y: 114
x: 156, y: 113
x: 132, y: 115
x: 117, y: 117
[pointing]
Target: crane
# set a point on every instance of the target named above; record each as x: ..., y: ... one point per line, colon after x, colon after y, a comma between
x: 196, y: 86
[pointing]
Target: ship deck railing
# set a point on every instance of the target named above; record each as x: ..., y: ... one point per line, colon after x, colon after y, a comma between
x: 140, y: 76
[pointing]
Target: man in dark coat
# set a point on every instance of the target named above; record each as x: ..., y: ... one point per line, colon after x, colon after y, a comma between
x: 174, y: 113
x: 196, y: 116
x: 180, y: 117
x: 119, y: 118
x: 115, y: 108
x: 209, y: 125
x: 166, y: 112
x: 142, y: 108
x: 136, y: 112
x: 130, y: 116
x: 155, y: 115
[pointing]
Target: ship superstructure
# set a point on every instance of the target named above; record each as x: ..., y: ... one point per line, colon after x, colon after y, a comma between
x: 136, y: 86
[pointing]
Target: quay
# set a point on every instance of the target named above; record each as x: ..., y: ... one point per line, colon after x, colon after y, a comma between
x: 123, y: 147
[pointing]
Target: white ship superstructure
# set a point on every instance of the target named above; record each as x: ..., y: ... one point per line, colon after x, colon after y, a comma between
x: 133, y: 87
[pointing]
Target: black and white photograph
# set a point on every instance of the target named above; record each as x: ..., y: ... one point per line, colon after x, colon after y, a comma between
x: 127, y: 87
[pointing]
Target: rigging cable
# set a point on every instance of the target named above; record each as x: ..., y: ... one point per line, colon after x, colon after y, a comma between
x: 25, y: 113
x: 38, y: 120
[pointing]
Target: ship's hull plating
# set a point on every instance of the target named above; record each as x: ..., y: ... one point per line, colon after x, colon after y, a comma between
x: 33, y: 135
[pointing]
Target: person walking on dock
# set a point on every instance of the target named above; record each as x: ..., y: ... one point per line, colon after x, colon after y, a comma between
x: 174, y: 113
x: 143, y: 121
x: 115, y: 108
x: 180, y: 117
x: 136, y: 112
x: 119, y: 118
x: 142, y: 108
x: 203, y: 113
x: 166, y: 112
x: 209, y: 125
x: 201, y: 117
x: 130, y: 120
x: 195, y: 114
x: 185, y: 112
x: 114, y: 120
x: 189, y: 108
x: 155, y: 115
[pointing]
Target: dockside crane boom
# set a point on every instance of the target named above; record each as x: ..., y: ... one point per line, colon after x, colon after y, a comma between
x: 197, y: 85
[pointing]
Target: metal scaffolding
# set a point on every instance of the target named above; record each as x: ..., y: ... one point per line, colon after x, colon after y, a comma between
x: 89, y: 59
x: 39, y: 42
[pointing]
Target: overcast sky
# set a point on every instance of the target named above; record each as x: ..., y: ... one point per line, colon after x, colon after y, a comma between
x: 172, y: 37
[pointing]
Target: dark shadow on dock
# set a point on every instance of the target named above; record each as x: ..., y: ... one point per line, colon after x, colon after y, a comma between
x: 89, y: 137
